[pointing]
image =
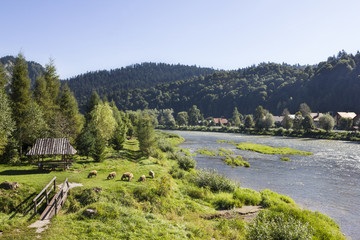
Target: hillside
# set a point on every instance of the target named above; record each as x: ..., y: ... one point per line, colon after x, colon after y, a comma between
x: 34, y: 68
x: 143, y: 75
x: 332, y: 85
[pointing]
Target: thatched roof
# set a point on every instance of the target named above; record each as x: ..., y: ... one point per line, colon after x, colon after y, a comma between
x: 52, y: 146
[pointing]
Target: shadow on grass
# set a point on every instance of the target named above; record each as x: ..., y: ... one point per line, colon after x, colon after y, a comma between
x: 23, y: 172
x: 131, y: 155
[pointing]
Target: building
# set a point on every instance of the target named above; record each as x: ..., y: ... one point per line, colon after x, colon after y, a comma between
x: 347, y: 115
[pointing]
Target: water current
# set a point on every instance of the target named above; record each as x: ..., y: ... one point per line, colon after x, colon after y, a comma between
x: 328, y: 181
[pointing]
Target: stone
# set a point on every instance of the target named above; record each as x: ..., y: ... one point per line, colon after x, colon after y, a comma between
x: 89, y: 212
x: 9, y: 185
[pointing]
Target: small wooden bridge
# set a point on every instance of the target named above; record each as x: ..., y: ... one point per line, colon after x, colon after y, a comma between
x: 54, y: 205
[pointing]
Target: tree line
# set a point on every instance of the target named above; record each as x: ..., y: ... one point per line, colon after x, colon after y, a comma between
x: 50, y: 110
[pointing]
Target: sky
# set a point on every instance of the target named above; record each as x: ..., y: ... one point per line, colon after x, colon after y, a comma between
x: 90, y: 35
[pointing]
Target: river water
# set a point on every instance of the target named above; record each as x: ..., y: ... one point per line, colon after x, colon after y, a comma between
x: 328, y: 181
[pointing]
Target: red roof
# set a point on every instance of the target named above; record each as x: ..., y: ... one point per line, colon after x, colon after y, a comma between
x: 220, y: 120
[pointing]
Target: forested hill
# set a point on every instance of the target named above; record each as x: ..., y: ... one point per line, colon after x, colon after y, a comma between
x: 34, y: 68
x: 143, y: 75
x: 333, y: 85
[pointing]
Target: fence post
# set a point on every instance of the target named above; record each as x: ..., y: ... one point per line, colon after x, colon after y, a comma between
x: 55, y: 206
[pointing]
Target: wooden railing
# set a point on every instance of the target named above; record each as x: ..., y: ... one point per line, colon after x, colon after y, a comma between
x: 45, y: 193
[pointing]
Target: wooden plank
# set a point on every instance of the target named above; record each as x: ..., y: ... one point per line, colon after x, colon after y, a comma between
x: 44, y: 189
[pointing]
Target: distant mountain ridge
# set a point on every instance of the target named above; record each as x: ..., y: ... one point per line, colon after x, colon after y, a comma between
x: 144, y: 75
x: 34, y: 68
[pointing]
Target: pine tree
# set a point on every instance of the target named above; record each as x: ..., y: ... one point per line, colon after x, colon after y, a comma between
x: 86, y: 140
x: 249, y: 122
x: 20, y: 96
x: 94, y: 100
x: 3, y: 79
x: 52, y: 81
x: 69, y: 109
x: 6, y: 122
x: 99, y: 148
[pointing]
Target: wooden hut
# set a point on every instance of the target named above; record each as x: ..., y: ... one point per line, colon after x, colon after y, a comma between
x: 52, y: 147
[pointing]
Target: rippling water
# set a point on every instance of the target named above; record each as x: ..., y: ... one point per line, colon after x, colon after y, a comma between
x: 328, y: 181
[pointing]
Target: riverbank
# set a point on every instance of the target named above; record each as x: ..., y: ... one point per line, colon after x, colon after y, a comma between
x: 176, y: 204
x: 317, y: 134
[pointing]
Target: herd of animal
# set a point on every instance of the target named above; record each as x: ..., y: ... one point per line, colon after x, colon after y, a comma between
x: 126, y: 176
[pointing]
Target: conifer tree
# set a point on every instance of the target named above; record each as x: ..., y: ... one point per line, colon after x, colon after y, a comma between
x: 236, y: 117
x: 3, y: 79
x: 70, y: 110
x: 146, y: 135
x: 6, y: 122
x: 52, y: 81
x: 20, y: 96
x: 99, y: 148
x: 249, y: 122
x: 94, y: 100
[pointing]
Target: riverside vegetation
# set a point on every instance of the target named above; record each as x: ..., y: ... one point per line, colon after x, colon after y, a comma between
x: 170, y: 206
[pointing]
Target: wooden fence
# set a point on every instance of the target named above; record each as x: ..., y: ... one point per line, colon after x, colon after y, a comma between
x: 45, y: 193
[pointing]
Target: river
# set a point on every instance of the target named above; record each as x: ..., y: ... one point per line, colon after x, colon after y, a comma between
x: 328, y: 181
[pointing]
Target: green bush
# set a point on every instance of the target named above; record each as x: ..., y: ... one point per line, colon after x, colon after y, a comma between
x: 177, y: 173
x: 165, y: 146
x: 186, y: 163
x: 269, y: 199
x: 213, y: 180
x: 198, y: 193
x: 86, y: 196
x: 270, y: 225
x: 225, y: 201
x: 285, y: 159
x: 163, y: 188
x: 144, y: 193
x: 247, y: 196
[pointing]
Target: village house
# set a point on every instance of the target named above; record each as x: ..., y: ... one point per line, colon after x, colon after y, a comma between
x: 346, y: 115
x: 220, y: 121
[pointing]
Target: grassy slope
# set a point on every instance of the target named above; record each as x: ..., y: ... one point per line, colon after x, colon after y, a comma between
x: 160, y: 208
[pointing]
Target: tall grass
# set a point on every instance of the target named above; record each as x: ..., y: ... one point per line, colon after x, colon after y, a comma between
x: 214, y: 180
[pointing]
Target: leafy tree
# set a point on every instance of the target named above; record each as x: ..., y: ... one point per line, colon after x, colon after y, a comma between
x: 194, y: 115
x: 287, y: 121
x: 304, y: 109
x: 259, y: 116
x: 249, y: 122
x: 146, y: 135
x: 104, y: 121
x: 6, y: 122
x: 21, y: 98
x: 268, y: 121
x: 297, y: 122
x: 327, y: 122
x: 166, y: 117
x: 308, y: 123
x: 182, y: 118
x: 345, y: 123
x: 236, y: 117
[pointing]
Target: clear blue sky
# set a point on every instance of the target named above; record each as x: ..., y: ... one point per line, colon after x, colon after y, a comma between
x: 89, y: 35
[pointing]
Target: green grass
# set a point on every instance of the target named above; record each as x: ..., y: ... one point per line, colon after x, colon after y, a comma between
x: 207, y: 152
x: 270, y: 150
x: 285, y: 159
x: 236, y: 161
x: 170, y: 206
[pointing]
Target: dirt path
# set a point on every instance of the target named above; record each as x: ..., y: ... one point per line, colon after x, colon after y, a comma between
x: 247, y: 213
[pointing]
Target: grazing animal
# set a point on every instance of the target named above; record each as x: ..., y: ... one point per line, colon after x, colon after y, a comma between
x: 127, y: 175
x: 142, y: 178
x: 152, y: 174
x: 111, y: 175
x: 92, y: 173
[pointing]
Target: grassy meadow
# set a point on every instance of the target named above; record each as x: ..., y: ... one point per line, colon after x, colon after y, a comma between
x: 176, y: 204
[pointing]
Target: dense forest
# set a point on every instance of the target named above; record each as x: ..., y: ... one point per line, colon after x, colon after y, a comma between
x: 332, y: 85
x: 142, y: 75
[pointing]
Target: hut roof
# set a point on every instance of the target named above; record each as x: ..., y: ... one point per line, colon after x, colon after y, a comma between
x: 52, y: 146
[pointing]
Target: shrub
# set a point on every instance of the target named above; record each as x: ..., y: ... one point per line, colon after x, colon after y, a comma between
x: 163, y: 188
x: 269, y: 199
x: 186, y: 163
x: 225, y: 201
x: 269, y: 225
x: 212, y: 179
x: 285, y: 159
x: 144, y: 193
x: 165, y: 146
x: 198, y: 193
x: 247, y: 196
x: 86, y: 196
x: 177, y: 173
